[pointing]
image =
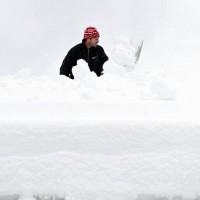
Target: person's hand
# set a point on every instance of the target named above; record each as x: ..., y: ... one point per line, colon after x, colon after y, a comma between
x: 100, y: 73
x: 70, y: 75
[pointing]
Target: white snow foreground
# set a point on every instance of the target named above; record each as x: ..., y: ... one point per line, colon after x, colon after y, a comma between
x: 113, y: 137
x: 115, y: 85
x: 103, y: 159
x: 95, y: 151
x: 99, y: 159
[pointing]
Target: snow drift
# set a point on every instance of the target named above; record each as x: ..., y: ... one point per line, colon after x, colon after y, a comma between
x: 118, y: 136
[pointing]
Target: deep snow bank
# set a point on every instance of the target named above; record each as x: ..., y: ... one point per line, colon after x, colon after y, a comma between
x: 126, y: 133
x: 100, y: 150
x: 161, y: 173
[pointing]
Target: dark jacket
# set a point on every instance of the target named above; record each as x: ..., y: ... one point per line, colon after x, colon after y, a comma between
x: 95, y: 57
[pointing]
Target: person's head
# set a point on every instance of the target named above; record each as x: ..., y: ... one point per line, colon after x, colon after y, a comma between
x: 91, y: 37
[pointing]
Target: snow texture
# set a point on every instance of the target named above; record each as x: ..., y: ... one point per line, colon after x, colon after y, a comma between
x: 96, y: 137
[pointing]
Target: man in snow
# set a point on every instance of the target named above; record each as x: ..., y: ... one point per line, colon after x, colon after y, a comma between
x: 88, y: 50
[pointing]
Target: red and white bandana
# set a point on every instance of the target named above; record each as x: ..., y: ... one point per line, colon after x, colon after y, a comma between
x: 91, y: 32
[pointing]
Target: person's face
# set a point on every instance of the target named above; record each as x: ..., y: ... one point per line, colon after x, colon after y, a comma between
x: 94, y: 42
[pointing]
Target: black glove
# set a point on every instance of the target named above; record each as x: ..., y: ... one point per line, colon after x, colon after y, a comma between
x: 70, y: 75
x: 100, y: 72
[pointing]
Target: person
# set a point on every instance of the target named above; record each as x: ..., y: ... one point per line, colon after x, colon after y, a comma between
x: 89, y: 50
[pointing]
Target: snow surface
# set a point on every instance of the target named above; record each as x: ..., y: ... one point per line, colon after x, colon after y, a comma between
x: 117, y: 136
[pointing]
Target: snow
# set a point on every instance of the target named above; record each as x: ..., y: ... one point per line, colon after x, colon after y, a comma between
x: 133, y: 133
x: 108, y: 137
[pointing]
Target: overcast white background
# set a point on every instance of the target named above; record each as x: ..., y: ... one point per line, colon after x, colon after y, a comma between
x: 37, y: 34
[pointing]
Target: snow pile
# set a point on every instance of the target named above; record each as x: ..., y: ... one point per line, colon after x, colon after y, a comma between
x: 123, y: 52
x: 110, y: 137
x: 118, y: 83
x: 79, y: 176
x: 99, y: 158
